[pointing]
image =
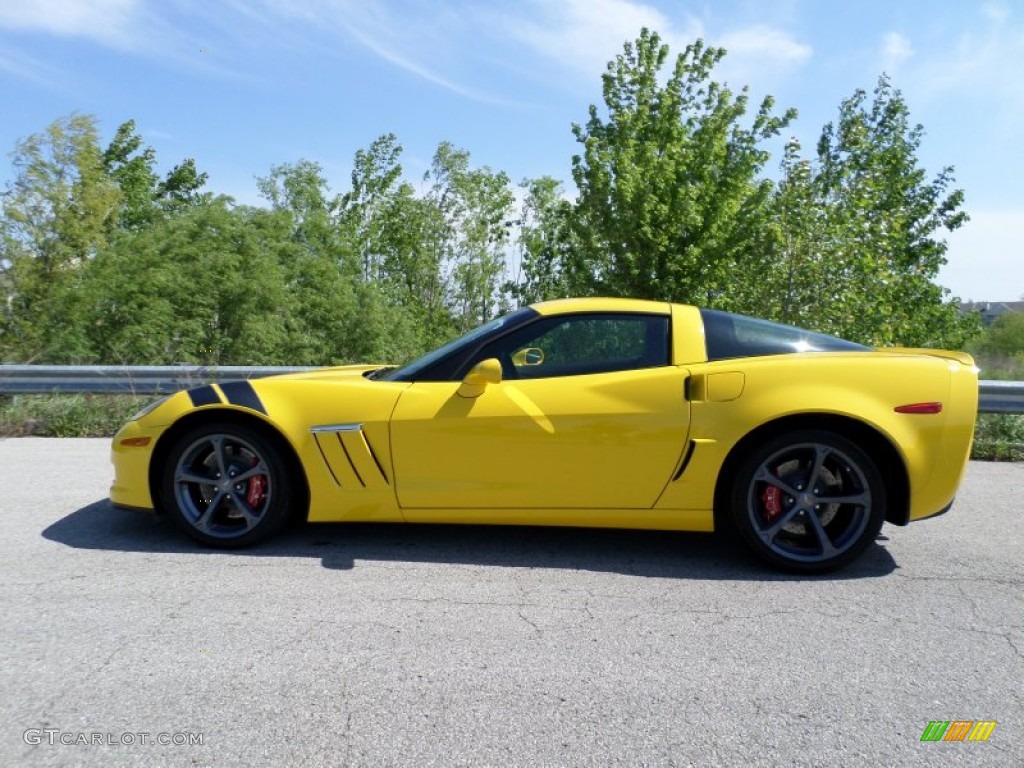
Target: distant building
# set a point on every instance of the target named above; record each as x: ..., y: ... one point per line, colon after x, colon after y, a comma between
x: 990, y: 310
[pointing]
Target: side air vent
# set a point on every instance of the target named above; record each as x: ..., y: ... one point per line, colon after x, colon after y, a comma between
x: 349, y: 456
x: 687, y: 455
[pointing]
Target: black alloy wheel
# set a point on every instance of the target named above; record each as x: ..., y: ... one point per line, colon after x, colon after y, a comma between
x: 225, y: 485
x: 808, y: 502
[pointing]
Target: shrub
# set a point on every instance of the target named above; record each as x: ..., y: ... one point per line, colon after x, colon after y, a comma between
x: 999, y: 437
x: 66, y: 415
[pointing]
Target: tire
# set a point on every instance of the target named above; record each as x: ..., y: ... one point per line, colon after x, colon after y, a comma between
x: 253, y: 507
x: 809, y: 501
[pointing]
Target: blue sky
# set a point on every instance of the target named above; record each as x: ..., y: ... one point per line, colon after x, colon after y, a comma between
x: 242, y: 85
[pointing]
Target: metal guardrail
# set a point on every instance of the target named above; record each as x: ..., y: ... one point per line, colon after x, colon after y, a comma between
x: 124, y: 379
x: 994, y: 396
x: 1000, y: 396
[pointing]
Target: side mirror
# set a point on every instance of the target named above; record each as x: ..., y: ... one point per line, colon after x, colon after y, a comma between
x: 480, y: 375
x: 528, y: 356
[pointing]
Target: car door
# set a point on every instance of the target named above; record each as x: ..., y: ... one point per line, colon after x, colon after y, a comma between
x: 589, y: 414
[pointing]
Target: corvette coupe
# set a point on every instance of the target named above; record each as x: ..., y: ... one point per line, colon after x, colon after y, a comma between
x: 577, y: 412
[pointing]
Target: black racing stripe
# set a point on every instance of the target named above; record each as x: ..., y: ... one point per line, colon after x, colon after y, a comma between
x: 203, y: 396
x: 242, y: 393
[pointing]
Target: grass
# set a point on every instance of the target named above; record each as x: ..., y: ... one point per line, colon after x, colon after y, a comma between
x: 1001, y: 367
x: 999, y: 437
x: 66, y: 415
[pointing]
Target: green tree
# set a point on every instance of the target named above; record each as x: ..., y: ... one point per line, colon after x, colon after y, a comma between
x: 670, y: 205
x: 547, y: 248
x: 797, y: 276
x: 300, y: 190
x: 131, y: 167
x: 205, y: 287
x: 324, y: 275
x: 144, y: 195
x: 364, y: 209
x: 56, y: 216
x: 884, y: 219
x: 350, y: 311
x: 386, y: 227
x: 471, y: 233
x: 1005, y: 338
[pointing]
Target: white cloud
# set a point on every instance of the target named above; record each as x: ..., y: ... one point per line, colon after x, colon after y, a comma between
x: 758, y: 53
x: 134, y: 27
x: 986, y: 257
x: 996, y: 12
x: 428, y: 40
x: 988, y: 60
x: 27, y: 68
x: 765, y: 43
x: 455, y: 45
x: 107, y: 21
x: 586, y: 34
x: 896, y: 49
x: 392, y: 54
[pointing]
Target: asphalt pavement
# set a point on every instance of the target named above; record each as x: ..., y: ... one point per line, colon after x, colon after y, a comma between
x: 372, y: 645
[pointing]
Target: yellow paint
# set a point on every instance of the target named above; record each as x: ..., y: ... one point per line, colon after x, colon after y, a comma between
x: 485, y: 372
x: 592, y: 450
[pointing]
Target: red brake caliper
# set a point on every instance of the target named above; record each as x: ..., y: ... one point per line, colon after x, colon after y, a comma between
x: 257, y: 489
x: 771, y: 497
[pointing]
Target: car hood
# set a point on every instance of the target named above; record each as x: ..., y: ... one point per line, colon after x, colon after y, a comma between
x: 335, y: 372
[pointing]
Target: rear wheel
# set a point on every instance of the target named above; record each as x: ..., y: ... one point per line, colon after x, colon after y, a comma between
x: 225, y: 485
x: 809, y: 501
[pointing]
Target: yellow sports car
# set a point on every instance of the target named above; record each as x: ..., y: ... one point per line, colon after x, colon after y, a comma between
x: 578, y: 412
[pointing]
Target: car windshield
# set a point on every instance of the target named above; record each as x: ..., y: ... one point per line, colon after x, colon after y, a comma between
x: 730, y: 336
x: 409, y: 371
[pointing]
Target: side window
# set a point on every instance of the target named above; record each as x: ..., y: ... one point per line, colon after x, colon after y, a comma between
x: 730, y: 336
x: 580, y: 344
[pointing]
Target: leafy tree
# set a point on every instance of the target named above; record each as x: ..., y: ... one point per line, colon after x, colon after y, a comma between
x: 546, y: 244
x: 300, y: 190
x: 68, y: 200
x: 324, y: 276
x: 144, y: 195
x: 798, y: 274
x: 181, y: 187
x: 319, y: 305
x: 376, y: 176
x: 400, y: 296
x: 1004, y: 338
x: 670, y: 206
x: 56, y: 215
x: 348, y: 312
x: 471, y: 233
x: 883, y: 225
x: 231, y: 309
x: 133, y: 172
x: 412, y: 259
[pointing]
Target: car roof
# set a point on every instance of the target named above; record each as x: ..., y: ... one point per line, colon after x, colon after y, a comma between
x: 599, y: 304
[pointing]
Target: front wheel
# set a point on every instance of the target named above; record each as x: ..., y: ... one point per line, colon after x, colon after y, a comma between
x: 225, y: 485
x: 809, y: 501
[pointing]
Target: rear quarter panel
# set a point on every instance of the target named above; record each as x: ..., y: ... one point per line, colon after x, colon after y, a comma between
x: 863, y: 386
